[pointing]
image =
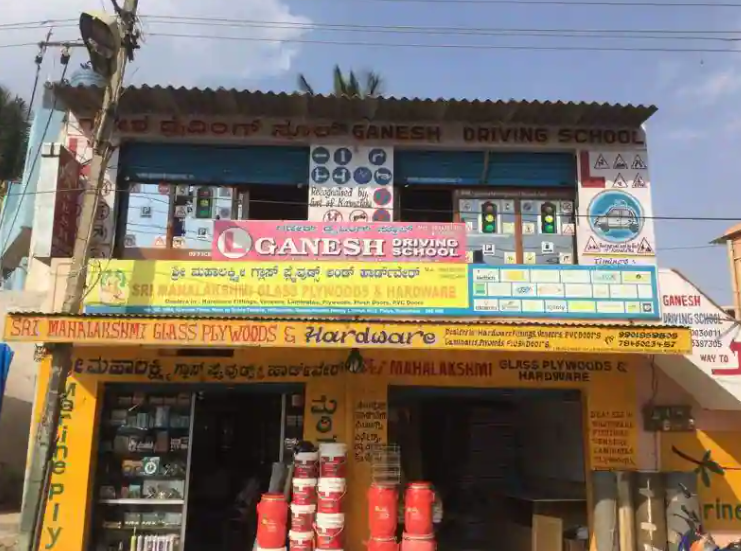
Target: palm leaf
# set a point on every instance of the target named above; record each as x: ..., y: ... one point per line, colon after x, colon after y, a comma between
x: 304, y: 85
x: 705, y: 477
x: 339, y: 86
x: 373, y: 84
x: 706, y: 456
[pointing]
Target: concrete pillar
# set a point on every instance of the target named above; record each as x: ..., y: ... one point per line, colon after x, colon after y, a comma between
x: 675, y: 499
x: 649, y: 495
x: 626, y: 511
x: 604, y: 489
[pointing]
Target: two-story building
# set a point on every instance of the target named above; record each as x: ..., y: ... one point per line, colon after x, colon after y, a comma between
x: 462, y: 292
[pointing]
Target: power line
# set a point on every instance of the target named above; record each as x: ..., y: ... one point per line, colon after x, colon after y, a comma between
x: 250, y: 23
x: 158, y: 197
x: 585, y: 3
x: 510, y: 47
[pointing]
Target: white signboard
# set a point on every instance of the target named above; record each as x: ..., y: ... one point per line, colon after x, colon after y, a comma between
x: 351, y: 184
x: 615, y: 222
x: 715, y: 335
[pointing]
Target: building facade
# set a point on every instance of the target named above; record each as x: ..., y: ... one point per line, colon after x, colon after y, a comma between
x: 469, y: 287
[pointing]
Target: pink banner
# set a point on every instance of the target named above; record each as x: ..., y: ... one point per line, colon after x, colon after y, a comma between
x: 362, y: 242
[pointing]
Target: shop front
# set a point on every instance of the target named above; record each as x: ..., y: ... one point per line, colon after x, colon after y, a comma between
x: 169, y: 420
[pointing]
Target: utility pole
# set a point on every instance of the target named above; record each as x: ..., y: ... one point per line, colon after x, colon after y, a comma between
x: 111, y: 44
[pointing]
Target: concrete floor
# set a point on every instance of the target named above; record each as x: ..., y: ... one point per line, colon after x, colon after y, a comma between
x: 8, y: 530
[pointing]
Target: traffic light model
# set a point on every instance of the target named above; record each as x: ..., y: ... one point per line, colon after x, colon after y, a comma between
x: 488, y: 217
x: 547, y: 218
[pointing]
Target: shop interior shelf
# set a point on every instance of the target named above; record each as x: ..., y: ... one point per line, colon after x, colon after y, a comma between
x: 158, y: 502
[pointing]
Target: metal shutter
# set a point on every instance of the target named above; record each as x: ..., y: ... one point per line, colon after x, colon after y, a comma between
x: 531, y: 169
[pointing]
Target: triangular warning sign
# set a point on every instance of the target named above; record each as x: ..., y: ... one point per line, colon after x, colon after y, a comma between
x: 645, y: 247
x: 619, y: 163
x: 592, y: 246
x: 638, y: 181
x: 620, y: 181
x: 638, y: 164
x: 601, y: 163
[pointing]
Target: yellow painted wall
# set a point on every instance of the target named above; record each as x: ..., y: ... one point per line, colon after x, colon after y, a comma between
x: 337, y: 404
x: 720, y: 494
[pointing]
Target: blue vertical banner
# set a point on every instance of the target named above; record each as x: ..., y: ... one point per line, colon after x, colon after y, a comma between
x: 6, y: 356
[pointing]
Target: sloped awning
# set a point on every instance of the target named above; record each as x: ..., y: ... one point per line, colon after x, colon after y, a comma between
x: 157, y: 100
x: 347, y: 333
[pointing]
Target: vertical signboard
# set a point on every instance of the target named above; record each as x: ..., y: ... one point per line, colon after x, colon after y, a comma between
x: 69, y: 190
x: 351, y: 184
x: 615, y: 213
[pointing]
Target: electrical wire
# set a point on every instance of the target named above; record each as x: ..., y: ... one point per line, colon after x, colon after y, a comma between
x: 448, y: 46
x: 156, y: 197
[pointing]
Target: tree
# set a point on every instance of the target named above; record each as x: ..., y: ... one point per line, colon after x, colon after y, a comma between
x: 14, y: 132
x: 348, y: 85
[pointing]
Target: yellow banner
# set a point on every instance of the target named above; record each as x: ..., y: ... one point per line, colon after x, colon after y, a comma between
x: 158, y: 287
x: 290, y: 333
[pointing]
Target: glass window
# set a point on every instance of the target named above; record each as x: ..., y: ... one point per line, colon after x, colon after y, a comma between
x: 524, y: 227
x: 171, y: 221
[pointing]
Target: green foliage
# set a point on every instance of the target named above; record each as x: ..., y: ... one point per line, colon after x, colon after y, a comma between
x: 14, y: 133
x: 369, y: 84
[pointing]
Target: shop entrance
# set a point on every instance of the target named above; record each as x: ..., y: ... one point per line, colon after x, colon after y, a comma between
x: 185, y: 466
x: 508, y: 463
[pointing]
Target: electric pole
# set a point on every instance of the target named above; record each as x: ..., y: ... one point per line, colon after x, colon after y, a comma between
x: 111, y: 43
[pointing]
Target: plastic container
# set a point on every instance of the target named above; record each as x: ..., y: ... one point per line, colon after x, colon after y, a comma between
x: 302, y: 517
x: 272, y: 519
x: 383, y: 544
x: 304, y: 491
x: 301, y: 541
x: 383, y: 511
x: 306, y: 465
x: 330, y: 492
x: 329, y: 530
x: 332, y: 460
x: 418, y: 501
x: 410, y: 542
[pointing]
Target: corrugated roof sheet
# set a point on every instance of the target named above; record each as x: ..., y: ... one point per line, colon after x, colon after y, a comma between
x: 365, y: 319
x: 224, y: 103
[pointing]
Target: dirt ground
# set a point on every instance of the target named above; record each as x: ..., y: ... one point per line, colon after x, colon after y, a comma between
x: 8, y: 530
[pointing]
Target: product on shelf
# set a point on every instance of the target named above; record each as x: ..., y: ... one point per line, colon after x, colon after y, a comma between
x: 304, y: 491
x: 419, y: 499
x: 301, y: 541
x: 411, y: 542
x: 306, y: 464
x: 330, y: 530
x: 332, y: 460
x: 302, y: 517
x: 330, y: 492
x: 383, y: 511
x: 272, y: 521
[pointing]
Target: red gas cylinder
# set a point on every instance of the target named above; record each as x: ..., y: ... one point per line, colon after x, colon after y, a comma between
x: 272, y: 520
x: 418, y: 543
x: 418, y: 501
x: 383, y: 511
x: 383, y: 544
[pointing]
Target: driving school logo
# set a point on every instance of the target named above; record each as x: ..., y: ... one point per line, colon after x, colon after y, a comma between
x: 616, y: 216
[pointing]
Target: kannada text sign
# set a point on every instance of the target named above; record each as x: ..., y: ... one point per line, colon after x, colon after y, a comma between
x: 335, y: 288
x: 360, y: 242
x: 318, y: 334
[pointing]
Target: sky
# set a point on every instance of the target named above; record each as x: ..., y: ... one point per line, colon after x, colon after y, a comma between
x: 692, y: 139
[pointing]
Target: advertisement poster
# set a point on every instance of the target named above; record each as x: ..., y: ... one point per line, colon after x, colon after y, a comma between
x: 337, y: 288
x: 370, y: 288
x: 615, y: 222
x: 715, y: 335
x: 391, y: 241
x: 351, y: 184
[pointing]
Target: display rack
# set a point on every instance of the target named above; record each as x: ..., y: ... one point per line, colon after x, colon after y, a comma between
x: 143, y: 469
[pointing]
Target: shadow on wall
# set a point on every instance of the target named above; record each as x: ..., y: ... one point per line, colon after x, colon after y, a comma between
x: 14, y: 429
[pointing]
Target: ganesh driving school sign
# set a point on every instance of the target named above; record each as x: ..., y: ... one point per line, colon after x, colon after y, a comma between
x: 362, y: 242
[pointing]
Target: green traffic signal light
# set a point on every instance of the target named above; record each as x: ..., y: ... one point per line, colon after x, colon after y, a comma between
x: 488, y: 218
x: 548, y: 218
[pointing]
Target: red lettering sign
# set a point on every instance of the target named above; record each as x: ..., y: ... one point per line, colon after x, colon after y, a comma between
x: 735, y: 347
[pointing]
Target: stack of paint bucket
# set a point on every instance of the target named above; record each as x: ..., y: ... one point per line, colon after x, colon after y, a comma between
x: 419, y: 535
x: 303, y: 503
x: 272, y: 522
x: 330, y: 517
x: 383, y: 510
